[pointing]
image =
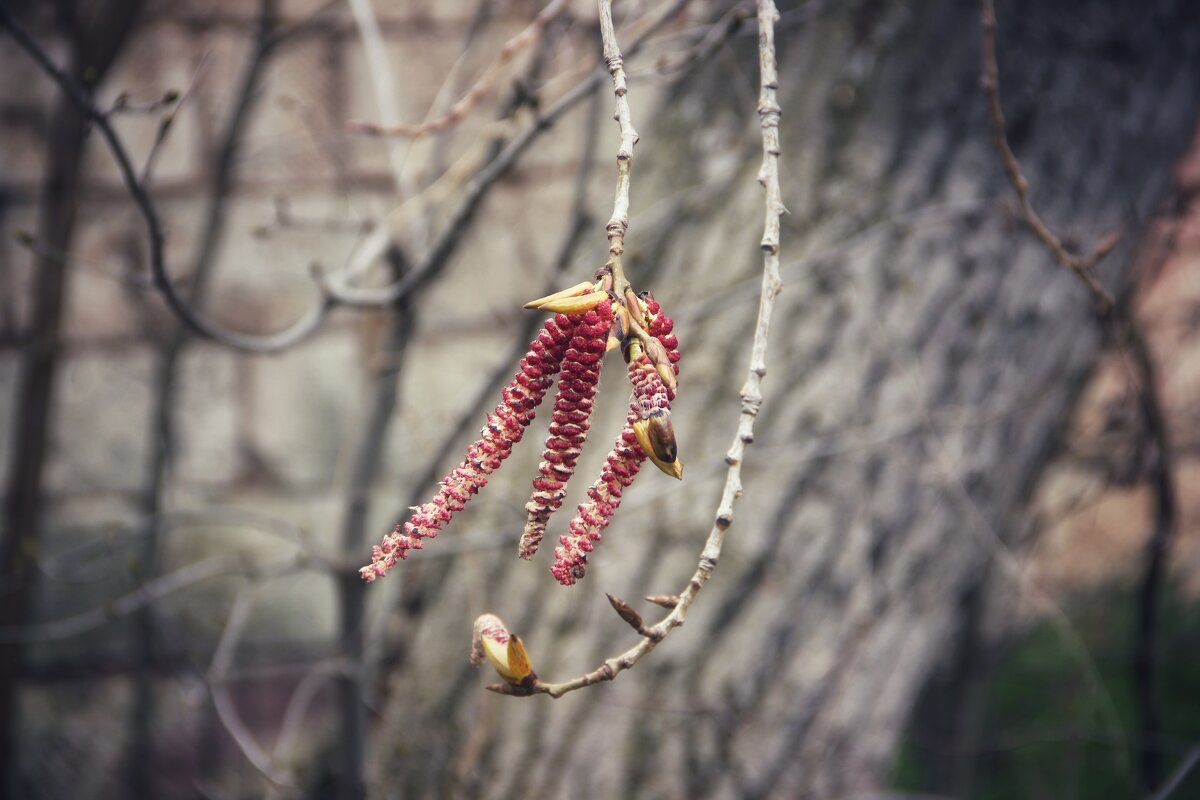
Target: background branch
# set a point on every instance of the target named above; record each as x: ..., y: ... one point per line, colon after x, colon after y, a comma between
x: 1080, y: 265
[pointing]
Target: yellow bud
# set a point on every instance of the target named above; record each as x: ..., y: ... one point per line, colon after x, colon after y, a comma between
x: 505, y: 650
x: 667, y: 374
x: 657, y: 438
x: 579, y: 304
x: 574, y: 291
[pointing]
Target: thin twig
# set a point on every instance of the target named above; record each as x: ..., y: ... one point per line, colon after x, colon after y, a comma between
x: 618, y: 224
x: 167, y: 122
x: 1127, y: 332
x: 333, y: 291
x: 768, y: 175
x: 382, y: 84
x: 154, y: 229
x: 1177, y: 778
x: 469, y: 101
x: 715, y: 37
x: 1080, y: 265
x: 223, y: 703
x: 477, y: 188
x: 150, y: 592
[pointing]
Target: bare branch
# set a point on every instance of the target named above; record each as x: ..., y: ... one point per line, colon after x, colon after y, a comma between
x: 619, y: 223
x: 468, y: 102
x: 1145, y: 658
x: 217, y: 680
x: 154, y: 230
x: 768, y: 175
x: 1127, y: 332
x: 1080, y: 265
x: 476, y: 190
x: 1176, y: 779
x: 150, y: 592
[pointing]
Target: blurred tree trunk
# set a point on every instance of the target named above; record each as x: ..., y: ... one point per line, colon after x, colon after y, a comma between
x: 926, y: 354
x: 95, y: 36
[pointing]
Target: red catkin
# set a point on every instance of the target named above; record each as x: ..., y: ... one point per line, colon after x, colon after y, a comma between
x: 570, y: 423
x: 622, y: 465
x: 505, y: 427
x: 661, y: 327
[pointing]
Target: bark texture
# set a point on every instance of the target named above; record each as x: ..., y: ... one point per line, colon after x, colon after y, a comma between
x: 925, y: 353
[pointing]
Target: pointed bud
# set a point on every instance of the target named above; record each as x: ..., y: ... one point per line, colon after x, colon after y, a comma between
x: 574, y: 306
x: 491, y: 640
x: 661, y: 360
x: 620, y: 327
x: 574, y: 291
x: 667, y: 373
x: 656, y: 436
x: 627, y: 613
x: 664, y: 600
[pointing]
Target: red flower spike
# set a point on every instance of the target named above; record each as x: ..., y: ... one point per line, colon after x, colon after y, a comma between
x: 660, y: 328
x: 505, y: 427
x: 620, y: 468
x: 651, y: 397
x: 570, y: 425
x: 652, y: 407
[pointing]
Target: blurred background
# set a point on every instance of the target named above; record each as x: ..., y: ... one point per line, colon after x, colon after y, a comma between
x: 966, y: 561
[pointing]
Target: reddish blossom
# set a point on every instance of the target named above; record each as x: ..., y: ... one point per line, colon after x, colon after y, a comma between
x: 505, y: 427
x: 571, y: 421
x: 593, y: 516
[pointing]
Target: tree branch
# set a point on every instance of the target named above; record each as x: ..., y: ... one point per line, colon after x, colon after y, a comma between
x: 178, y: 304
x: 218, y: 678
x: 768, y: 175
x: 477, y: 189
x: 1080, y: 265
x: 618, y: 224
x: 468, y: 102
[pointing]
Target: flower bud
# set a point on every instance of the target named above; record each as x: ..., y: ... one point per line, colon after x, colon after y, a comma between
x: 492, y: 640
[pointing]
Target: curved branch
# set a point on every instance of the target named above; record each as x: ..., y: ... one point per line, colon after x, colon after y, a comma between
x: 148, y: 593
x: 1080, y: 265
x: 154, y: 230
x: 217, y: 680
x: 768, y: 176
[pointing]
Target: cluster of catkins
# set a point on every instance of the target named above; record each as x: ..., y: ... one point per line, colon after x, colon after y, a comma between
x: 588, y: 321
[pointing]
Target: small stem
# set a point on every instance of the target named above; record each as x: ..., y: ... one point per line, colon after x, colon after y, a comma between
x: 619, y: 223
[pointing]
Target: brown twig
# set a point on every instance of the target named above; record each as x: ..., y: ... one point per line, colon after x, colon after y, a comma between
x: 768, y: 176
x: 149, y: 212
x: 1080, y: 265
x: 167, y: 121
x: 482, y: 87
x: 1127, y: 332
x: 1144, y: 655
